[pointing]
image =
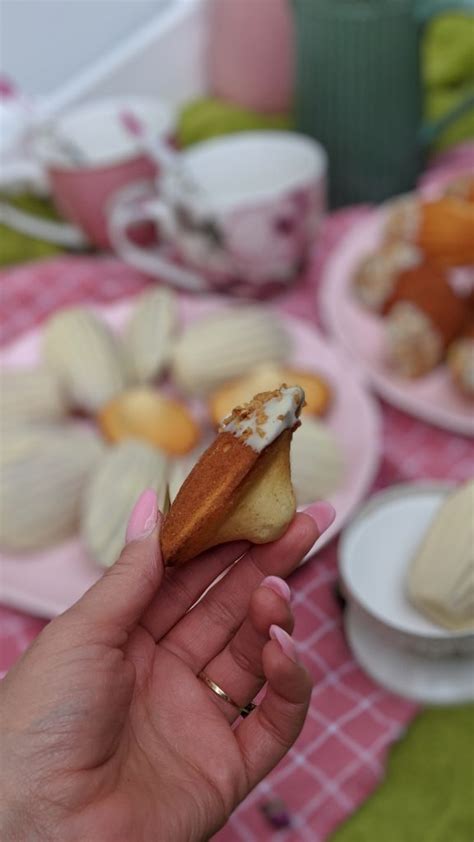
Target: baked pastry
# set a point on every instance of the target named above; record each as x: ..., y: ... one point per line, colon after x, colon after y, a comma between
x: 30, y: 394
x: 123, y: 472
x: 461, y: 362
x: 149, y: 333
x: 86, y: 356
x: 317, y: 462
x: 44, y: 471
x: 225, y: 345
x: 146, y: 414
x: 266, y: 377
x: 241, y: 486
x: 462, y: 188
x: 377, y: 274
x: 441, y: 576
x: 425, y: 316
x: 443, y: 229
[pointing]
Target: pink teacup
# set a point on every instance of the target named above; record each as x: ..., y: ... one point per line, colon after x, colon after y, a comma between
x: 88, y: 155
x: 237, y: 214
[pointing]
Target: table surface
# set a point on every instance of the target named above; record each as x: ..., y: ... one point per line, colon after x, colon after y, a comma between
x: 340, y: 756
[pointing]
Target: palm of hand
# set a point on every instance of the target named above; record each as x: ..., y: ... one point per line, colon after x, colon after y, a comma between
x: 114, y: 737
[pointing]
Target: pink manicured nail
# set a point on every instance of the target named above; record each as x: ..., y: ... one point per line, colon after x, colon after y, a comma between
x: 286, y: 642
x: 279, y: 586
x: 322, y: 513
x: 143, y: 517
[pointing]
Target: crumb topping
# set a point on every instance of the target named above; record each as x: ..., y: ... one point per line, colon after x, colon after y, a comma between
x: 260, y: 421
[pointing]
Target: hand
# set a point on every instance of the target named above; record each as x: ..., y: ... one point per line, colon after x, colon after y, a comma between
x: 108, y: 733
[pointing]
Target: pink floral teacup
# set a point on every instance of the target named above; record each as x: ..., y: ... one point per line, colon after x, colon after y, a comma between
x: 237, y: 214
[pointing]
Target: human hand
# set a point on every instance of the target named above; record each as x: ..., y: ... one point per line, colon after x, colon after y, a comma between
x: 108, y: 734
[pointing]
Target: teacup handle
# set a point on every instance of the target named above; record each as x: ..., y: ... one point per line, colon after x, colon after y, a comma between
x: 125, y: 214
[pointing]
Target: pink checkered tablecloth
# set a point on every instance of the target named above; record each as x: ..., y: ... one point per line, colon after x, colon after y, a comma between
x: 340, y: 756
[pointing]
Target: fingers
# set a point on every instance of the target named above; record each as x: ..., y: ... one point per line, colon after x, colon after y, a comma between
x: 182, y: 586
x: 238, y: 669
x: 205, y: 630
x: 118, y: 600
x: 267, y: 734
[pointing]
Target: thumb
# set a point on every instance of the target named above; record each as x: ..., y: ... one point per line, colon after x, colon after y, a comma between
x: 120, y: 597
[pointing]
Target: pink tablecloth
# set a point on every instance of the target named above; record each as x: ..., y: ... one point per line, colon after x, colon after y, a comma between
x: 340, y: 756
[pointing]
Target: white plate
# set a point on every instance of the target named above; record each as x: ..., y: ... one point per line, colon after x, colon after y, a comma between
x: 432, y: 398
x: 435, y: 681
x: 47, y: 583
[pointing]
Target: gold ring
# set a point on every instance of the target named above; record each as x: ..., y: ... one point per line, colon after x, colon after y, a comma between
x: 244, y: 711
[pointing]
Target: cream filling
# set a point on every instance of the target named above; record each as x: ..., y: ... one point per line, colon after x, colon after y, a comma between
x: 259, y: 424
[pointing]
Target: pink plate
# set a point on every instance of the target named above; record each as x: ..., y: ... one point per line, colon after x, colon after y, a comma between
x: 48, y: 582
x: 360, y: 334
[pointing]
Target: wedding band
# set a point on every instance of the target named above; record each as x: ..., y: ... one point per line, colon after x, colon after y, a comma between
x: 244, y: 711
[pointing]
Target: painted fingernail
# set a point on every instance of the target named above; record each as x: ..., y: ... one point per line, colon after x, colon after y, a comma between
x: 143, y: 517
x: 322, y: 513
x: 278, y: 585
x: 286, y: 642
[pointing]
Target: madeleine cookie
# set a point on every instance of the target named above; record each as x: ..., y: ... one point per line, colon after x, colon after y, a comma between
x: 146, y: 414
x: 241, y: 486
x: 267, y: 377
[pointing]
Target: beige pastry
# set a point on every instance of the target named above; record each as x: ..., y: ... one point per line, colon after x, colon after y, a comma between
x: 377, y: 273
x: 266, y: 377
x: 30, y: 394
x: 87, y: 357
x: 149, y: 333
x: 146, y: 414
x: 123, y: 473
x: 44, y: 471
x: 441, y: 576
x: 226, y: 345
x: 241, y: 486
x: 317, y: 462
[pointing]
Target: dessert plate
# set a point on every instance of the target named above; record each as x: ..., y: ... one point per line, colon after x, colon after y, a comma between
x: 48, y: 582
x: 432, y: 398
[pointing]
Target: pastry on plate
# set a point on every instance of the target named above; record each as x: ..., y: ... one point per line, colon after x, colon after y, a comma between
x: 146, y: 414
x: 461, y: 187
x: 225, y: 345
x: 443, y: 229
x: 425, y: 316
x: 377, y: 273
x: 317, y: 462
x: 86, y: 356
x: 264, y: 378
x: 120, y: 476
x: 44, y: 471
x: 31, y: 394
x: 441, y: 576
x: 241, y: 486
x: 149, y: 333
x: 460, y: 361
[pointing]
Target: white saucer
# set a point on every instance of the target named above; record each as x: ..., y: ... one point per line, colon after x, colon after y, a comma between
x: 433, y: 681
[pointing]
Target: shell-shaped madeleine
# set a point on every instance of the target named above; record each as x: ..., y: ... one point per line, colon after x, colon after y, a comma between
x: 180, y: 468
x: 87, y: 357
x: 120, y: 477
x: 44, y: 471
x: 149, y: 333
x: 30, y: 394
x: 317, y: 462
x: 227, y: 345
x: 441, y: 576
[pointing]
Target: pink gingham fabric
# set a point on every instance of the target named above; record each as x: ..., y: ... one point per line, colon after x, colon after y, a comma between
x: 340, y: 756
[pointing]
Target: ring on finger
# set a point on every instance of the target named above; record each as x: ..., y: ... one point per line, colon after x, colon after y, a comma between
x: 244, y: 711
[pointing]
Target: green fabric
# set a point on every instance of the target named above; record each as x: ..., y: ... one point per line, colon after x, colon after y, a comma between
x: 447, y: 61
x: 428, y: 793
x: 19, y: 248
x: 207, y: 117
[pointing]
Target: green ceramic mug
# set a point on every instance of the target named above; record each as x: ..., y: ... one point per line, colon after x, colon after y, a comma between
x: 359, y: 91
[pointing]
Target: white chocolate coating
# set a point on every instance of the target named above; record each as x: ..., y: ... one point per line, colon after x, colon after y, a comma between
x: 260, y: 423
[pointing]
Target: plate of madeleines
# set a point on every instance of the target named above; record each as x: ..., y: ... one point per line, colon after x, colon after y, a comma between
x: 399, y: 297
x: 236, y: 415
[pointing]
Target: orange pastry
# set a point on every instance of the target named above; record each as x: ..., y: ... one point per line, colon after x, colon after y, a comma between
x: 425, y: 315
x: 462, y: 188
x: 146, y: 414
x: 443, y: 229
x: 241, y: 486
x: 377, y: 273
x: 266, y: 377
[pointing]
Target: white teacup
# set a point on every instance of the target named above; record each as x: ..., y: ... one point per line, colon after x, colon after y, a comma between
x: 236, y: 213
